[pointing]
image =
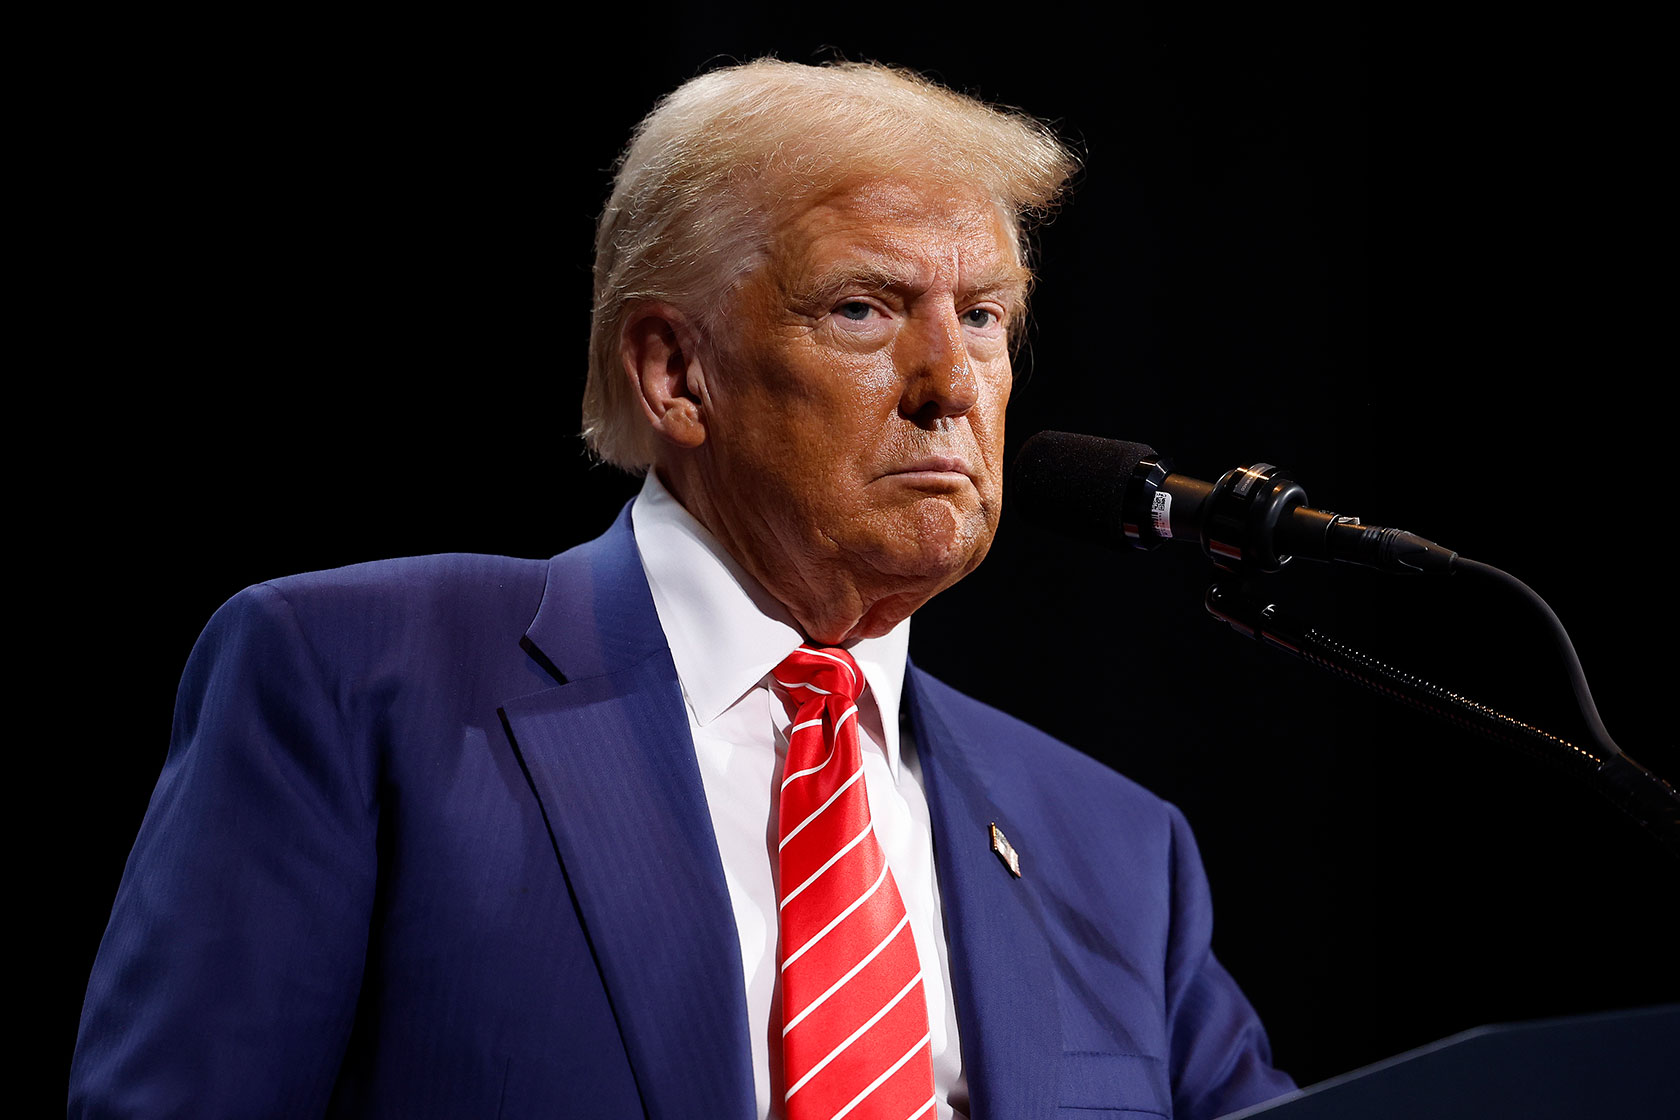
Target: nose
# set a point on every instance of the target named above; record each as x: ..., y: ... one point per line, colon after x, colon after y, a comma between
x: 939, y: 381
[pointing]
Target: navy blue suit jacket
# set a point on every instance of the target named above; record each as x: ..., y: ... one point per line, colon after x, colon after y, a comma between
x: 431, y: 841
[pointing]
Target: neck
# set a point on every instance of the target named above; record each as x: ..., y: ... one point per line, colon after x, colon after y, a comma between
x: 825, y: 596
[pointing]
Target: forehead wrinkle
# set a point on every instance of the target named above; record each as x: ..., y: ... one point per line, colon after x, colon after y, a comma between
x: 881, y: 236
x: 885, y: 270
x: 867, y: 275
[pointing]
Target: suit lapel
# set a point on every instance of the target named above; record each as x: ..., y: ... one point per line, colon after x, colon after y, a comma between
x: 610, y: 758
x: 1000, y: 961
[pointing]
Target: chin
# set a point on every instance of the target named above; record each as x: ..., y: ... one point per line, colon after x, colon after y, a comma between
x: 939, y: 544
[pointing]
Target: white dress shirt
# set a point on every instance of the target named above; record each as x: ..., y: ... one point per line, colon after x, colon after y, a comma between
x: 726, y: 633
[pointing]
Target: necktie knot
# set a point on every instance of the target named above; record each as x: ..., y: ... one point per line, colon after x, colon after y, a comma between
x: 809, y: 673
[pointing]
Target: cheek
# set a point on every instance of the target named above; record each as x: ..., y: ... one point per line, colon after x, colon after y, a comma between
x: 866, y: 386
x: 995, y: 392
x: 986, y: 421
x: 847, y: 411
x: 1001, y: 388
x: 805, y: 447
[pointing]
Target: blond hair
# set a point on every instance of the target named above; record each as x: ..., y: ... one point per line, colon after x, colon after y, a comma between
x: 715, y: 164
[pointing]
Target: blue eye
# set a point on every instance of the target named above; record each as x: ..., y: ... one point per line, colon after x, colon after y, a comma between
x: 979, y: 317
x: 855, y: 310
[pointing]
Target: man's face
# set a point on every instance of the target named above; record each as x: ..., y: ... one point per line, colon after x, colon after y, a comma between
x: 856, y: 400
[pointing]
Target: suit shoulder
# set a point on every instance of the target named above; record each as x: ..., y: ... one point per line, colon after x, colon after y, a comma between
x: 452, y: 575
x: 452, y: 598
x: 451, y: 582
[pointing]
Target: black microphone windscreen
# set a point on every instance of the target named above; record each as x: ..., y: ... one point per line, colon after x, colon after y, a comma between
x: 1075, y: 483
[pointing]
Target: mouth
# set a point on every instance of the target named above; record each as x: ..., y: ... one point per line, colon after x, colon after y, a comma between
x: 934, y: 472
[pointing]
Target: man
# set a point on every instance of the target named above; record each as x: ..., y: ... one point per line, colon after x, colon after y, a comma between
x: 474, y: 836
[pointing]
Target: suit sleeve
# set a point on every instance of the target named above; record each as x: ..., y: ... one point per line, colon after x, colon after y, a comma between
x: 227, y: 980
x: 1221, y: 1058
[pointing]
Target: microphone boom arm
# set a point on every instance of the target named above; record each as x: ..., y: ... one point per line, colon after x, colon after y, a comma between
x: 1641, y: 794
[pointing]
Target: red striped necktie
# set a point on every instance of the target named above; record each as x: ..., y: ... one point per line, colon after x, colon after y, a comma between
x: 855, y: 1039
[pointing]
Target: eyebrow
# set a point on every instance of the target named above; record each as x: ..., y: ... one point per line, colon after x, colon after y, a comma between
x: 1006, y: 283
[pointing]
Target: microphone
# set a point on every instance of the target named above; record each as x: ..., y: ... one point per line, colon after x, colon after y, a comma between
x: 1253, y: 518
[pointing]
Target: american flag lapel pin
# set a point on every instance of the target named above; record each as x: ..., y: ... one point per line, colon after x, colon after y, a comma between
x: 1006, y: 851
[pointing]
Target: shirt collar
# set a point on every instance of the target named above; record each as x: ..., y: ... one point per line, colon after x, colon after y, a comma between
x: 724, y: 630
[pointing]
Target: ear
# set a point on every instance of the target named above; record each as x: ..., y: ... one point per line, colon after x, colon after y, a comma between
x: 660, y: 350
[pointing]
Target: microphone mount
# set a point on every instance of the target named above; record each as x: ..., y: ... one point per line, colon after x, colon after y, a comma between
x: 1256, y: 518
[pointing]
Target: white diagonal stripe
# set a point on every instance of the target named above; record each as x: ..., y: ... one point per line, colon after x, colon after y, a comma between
x: 876, y: 1084
x: 824, y: 932
x: 849, y: 712
x: 835, y: 796
x: 800, y: 684
x: 857, y: 1034
x: 929, y: 1103
x: 832, y: 860
x: 856, y: 968
x: 840, y: 661
x: 810, y: 770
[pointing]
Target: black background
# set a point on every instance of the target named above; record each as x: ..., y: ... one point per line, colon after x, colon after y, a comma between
x: 318, y: 292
